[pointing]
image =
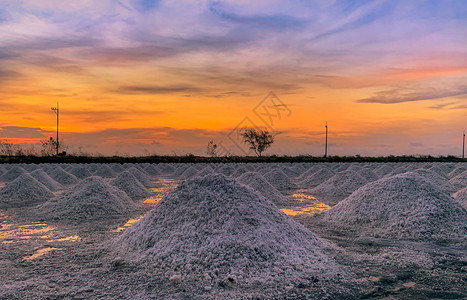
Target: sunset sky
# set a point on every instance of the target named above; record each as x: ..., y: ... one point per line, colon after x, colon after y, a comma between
x: 165, y: 77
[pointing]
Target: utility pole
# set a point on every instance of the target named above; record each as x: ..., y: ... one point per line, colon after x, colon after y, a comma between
x: 56, y: 110
x: 326, y: 145
x: 463, y: 144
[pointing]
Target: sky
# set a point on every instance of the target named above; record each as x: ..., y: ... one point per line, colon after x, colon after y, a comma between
x: 145, y: 77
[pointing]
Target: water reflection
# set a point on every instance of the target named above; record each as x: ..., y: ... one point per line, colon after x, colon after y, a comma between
x: 129, y: 223
x: 41, y: 252
x: 152, y: 200
x: 308, y: 209
x: 164, y: 185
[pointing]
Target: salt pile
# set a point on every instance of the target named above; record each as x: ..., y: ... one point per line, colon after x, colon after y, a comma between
x: 227, y: 169
x: 258, y: 183
x: 93, y: 198
x: 383, y: 170
x: 461, y: 197
x: 279, y: 180
x: 189, y: 173
x: 117, y: 168
x: 61, y: 176
x: 459, y: 182
x: 240, y: 171
x: 151, y: 170
x: 24, y: 191
x: 104, y: 171
x: 206, y: 171
x: 142, y: 176
x: 80, y: 172
x: 128, y: 183
x: 457, y: 170
x: 341, y: 184
x: 438, y: 180
x: 12, y: 174
x: 215, y: 231
x: 403, y: 206
x: 316, y: 178
x: 46, y: 180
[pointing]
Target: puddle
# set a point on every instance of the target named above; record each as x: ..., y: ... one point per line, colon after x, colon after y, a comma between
x: 164, y: 185
x: 302, y: 196
x: 152, y: 200
x: 41, y: 252
x: 309, y: 209
x: 129, y: 223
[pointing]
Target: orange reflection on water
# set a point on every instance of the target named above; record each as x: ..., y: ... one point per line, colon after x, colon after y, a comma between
x: 152, y: 200
x: 302, y: 197
x: 41, y: 252
x: 7, y: 231
x: 129, y: 223
x: 309, y: 209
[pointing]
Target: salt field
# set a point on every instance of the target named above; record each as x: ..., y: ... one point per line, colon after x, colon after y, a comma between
x: 233, y: 231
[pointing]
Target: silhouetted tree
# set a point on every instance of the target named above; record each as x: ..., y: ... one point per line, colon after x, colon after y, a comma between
x: 258, y: 140
x: 211, y: 149
x: 49, y: 147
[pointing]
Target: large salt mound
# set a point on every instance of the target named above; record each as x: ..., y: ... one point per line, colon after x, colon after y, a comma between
x: 46, y: 180
x: 403, y: 206
x: 316, y: 178
x: 459, y: 182
x: 213, y: 229
x: 128, y: 183
x: 80, y: 172
x: 258, y: 183
x: 341, y: 184
x: 461, y: 197
x: 142, y: 176
x: 61, y: 176
x: 457, y: 170
x: 93, y: 198
x: 279, y: 180
x: 24, y: 191
x: 12, y: 174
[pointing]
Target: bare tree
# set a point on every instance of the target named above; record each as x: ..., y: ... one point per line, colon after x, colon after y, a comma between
x: 258, y: 140
x: 211, y: 149
x: 50, y: 146
x: 6, y: 148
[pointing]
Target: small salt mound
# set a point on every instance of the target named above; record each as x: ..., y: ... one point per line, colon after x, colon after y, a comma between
x: 443, y: 169
x: 80, y: 172
x: 46, y: 180
x: 437, y: 179
x: 239, y: 171
x: 189, y: 173
x: 12, y: 174
x: 227, y: 169
x: 152, y: 170
x: 258, y: 183
x: 104, y: 171
x: 180, y: 169
x: 128, y: 183
x: 368, y: 174
x: 117, y: 168
x: 457, y: 170
x: 206, y: 171
x: 459, y: 182
x: 341, y: 184
x: 316, y: 178
x: 402, y: 206
x: 384, y: 170
x: 461, y: 197
x: 292, y: 171
x: 93, y: 167
x: 215, y: 229
x: 24, y: 191
x: 29, y: 168
x: 143, y: 177
x: 166, y: 168
x: 61, y: 176
x: 310, y: 171
x: 279, y: 180
x: 93, y: 198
